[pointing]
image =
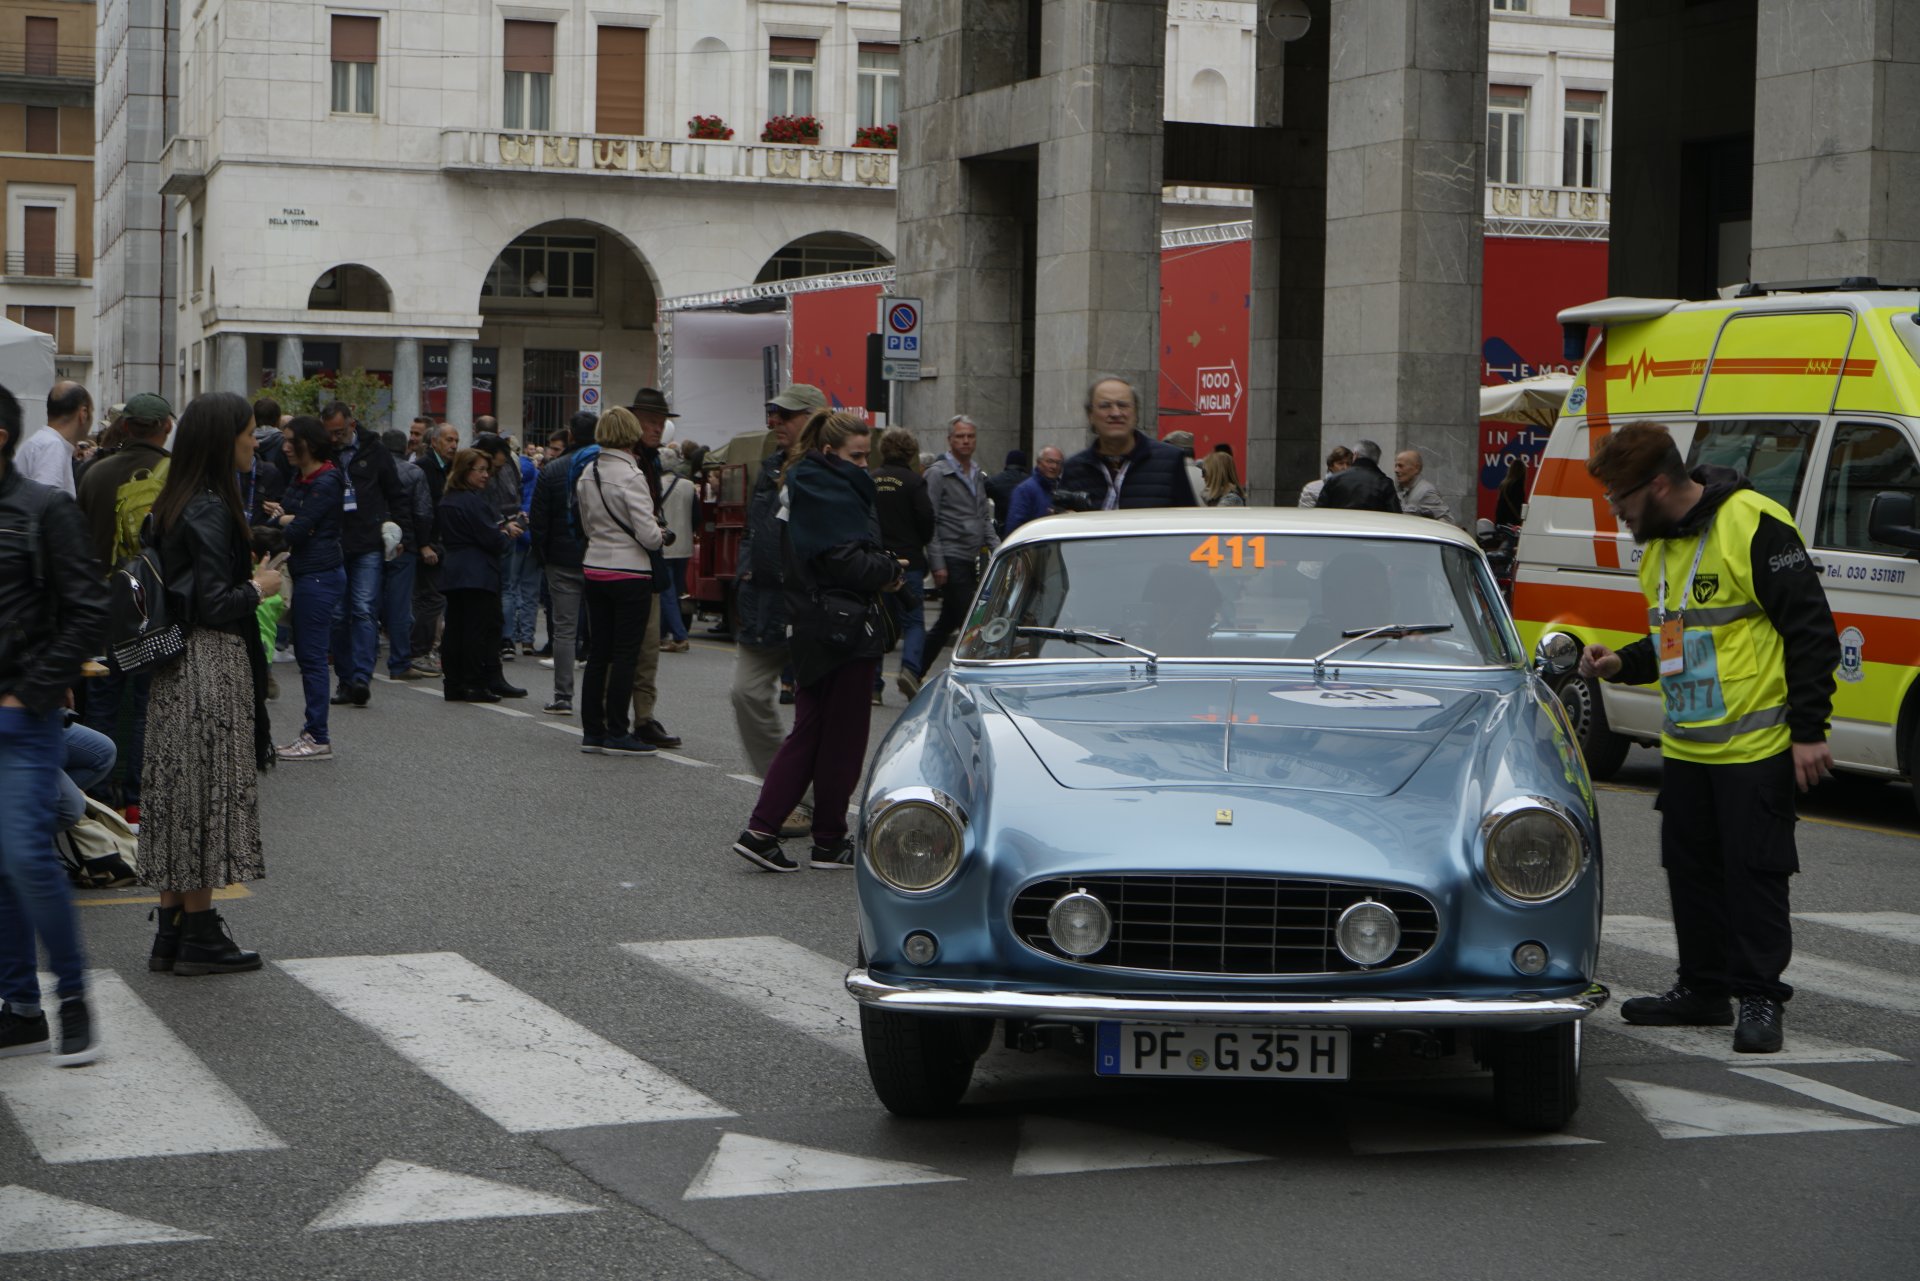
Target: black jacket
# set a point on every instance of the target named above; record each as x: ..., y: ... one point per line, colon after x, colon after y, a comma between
x: 474, y: 542
x: 1156, y: 477
x: 208, y: 566
x: 436, y: 473
x: 53, y: 594
x: 1000, y: 487
x: 553, y: 540
x: 1361, y: 487
x: 833, y: 596
x: 374, y: 488
x: 759, y: 603
x: 1788, y: 589
x: 906, y: 513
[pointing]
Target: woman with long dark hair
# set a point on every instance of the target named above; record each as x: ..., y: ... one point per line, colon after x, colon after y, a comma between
x: 207, y: 731
x: 310, y: 514
x: 836, y: 568
x: 473, y: 538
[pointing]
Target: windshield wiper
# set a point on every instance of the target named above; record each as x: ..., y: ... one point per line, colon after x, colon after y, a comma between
x: 1393, y: 631
x: 1075, y: 635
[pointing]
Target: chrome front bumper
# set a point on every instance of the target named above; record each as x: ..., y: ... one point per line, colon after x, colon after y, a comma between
x: 1082, y: 1007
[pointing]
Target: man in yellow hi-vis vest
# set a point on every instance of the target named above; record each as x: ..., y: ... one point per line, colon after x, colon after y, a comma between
x: 1740, y: 638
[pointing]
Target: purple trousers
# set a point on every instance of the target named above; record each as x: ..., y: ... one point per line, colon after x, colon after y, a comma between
x: 827, y: 748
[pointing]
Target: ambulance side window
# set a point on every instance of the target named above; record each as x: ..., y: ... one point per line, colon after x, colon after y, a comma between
x: 1866, y: 459
x: 1769, y: 452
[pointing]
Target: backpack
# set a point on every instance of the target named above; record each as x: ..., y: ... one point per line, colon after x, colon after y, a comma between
x: 139, y: 633
x: 100, y: 852
x: 577, y: 463
x: 131, y: 503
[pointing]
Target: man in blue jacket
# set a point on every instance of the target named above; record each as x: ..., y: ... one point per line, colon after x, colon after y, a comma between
x: 1033, y: 497
x: 1124, y: 468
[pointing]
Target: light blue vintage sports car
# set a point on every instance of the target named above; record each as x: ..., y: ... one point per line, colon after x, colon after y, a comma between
x: 1232, y: 793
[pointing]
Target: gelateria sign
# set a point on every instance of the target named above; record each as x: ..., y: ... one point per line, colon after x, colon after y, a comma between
x: 292, y: 218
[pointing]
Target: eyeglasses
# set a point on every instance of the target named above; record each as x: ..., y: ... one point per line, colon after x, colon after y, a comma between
x: 1614, y: 500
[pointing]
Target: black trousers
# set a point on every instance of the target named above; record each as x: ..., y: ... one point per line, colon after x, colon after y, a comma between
x: 1726, y: 840
x: 955, y: 597
x: 428, y: 607
x: 617, y: 614
x: 470, y: 648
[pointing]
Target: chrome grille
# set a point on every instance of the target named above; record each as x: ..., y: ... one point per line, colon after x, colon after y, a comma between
x: 1253, y: 925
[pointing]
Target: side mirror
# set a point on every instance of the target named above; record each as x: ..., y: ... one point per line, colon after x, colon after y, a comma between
x: 1890, y: 520
x: 1557, y: 654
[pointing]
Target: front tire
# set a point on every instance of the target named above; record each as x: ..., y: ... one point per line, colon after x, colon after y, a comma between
x: 1605, y: 750
x: 1536, y: 1076
x: 920, y: 1064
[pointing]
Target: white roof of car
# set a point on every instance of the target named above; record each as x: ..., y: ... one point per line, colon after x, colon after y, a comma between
x: 1202, y: 521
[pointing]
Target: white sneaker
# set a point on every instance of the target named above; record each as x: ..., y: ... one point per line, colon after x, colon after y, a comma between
x: 305, y: 749
x: 547, y: 663
x: 283, y: 655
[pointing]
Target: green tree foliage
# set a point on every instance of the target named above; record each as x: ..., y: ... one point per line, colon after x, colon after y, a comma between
x: 308, y: 395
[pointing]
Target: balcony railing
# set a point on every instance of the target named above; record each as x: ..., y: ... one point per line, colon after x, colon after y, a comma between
x: 602, y: 155
x: 1566, y: 213
x: 44, y: 266
x: 46, y: 64
x: 183, y: 165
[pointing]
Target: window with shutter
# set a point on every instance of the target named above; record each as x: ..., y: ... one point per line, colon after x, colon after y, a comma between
x: 1589, y: 8
x: 43, y: 46
x: 43, y: 130
x: 620, y: 92
x: 879, y: 102
x: 1580, y: 139
x: 1506, y: 134
x: 40, y: 225
x: 528, y: 99
x: 356, y: 52
x: 790, y: 69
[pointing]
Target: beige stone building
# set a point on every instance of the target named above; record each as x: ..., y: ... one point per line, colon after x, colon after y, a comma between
x: 46, y: 165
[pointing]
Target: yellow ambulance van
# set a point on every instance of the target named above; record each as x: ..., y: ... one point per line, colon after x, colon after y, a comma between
x: 1812, y: 391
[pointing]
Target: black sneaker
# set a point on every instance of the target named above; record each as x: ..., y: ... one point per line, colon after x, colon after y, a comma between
x: 652, y: 731
x: 22, y: 1034
x: 79, y: 1043
x: 342, y: 697
x: 593, y: 746
x: 1761, y: 1029
x: 763, y: 852
x: 1680, y: 1007
x: 358, y: 693
x: 835, y: 857
x: 559, y: 707
x: 628, y: 745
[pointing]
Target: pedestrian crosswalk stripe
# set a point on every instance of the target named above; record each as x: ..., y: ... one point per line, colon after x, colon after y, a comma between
x: 398, y: 1192
x: 782, y: 980
x: 1858, y: 983
x: 1901, y: 927
x: 33, y: 1221
x: 1717, y: 1042
x: 1832, y: 1094
x: 742, y: 1165
x: 678, y: 759
x: 519, y: 1061
x: 1692, y: 1114
x: 1050, y: 1145
x: 1387, y: 1130
x: 564, y: 728
x: 147, y: 1095
x: 504, y: 710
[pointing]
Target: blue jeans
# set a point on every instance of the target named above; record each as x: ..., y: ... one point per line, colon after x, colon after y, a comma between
x: 396, y: 611
x: 35, y: 900
x: 519, y: 594
x: 107, y: 697
x: 672, y: 625
x: 910, y: 608
x: 356, y: 636
x: 318, y: 607
x: 89, y: 759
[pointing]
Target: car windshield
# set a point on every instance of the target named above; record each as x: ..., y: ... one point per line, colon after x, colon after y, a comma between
x: 1271, y: 596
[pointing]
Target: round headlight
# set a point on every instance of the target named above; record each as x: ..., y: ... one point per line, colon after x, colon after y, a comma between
x: 1367, y: 933
x: 1079, y: 924
x: 1532, y: 855
x: 914, y: 845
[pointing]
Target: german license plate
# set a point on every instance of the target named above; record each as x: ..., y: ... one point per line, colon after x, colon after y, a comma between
x: 1155, y: 1049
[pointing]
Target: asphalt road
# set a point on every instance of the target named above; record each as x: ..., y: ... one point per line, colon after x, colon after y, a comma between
x: 453, y: 1067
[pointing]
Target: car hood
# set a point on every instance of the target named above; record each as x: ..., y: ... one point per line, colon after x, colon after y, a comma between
x: 1357, y: 738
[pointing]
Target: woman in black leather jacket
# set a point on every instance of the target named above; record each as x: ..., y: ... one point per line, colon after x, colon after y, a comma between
x: 836, y: 569
x: 207, y: 736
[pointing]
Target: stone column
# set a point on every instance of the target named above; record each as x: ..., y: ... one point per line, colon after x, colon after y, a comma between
x: 230, y: 365
x: 406, y: 381
x: 1406, y: 107
x: 1836, y: 129
x: 289, y: 360
x: 460, y: 386
x: 1097, y: 218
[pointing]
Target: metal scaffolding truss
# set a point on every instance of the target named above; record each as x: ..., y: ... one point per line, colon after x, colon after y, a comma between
x: 1540, y: 229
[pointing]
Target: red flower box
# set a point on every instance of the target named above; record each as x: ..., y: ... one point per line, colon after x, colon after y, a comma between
x: 799, y: 131
x: 712, y: 128
x: 885, y: 137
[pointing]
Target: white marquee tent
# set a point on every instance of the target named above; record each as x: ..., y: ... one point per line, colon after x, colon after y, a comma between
x: 26, y: 369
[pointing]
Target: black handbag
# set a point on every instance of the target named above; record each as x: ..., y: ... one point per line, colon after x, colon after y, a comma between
x: 140, y: 636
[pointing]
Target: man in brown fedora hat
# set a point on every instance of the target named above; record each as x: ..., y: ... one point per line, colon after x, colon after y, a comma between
x: 652, y: 409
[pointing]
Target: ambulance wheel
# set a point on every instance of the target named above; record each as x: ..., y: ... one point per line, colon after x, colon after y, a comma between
x: 1605, y: 750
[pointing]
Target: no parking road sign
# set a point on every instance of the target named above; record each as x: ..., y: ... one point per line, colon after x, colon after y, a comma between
x: 590, y: 381
x: 900, y: 339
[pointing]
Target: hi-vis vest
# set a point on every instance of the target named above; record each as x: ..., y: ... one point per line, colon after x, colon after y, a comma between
x: 1730, y: 704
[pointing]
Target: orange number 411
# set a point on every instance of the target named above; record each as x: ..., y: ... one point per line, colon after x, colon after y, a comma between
x: 1236, y: 554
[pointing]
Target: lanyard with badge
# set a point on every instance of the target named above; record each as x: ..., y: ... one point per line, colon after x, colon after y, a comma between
x: 1116, y: 477
x: 1673, y: 653
x: 349, y: 503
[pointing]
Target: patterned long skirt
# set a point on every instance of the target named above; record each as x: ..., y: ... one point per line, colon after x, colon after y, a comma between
x: 200, y: 788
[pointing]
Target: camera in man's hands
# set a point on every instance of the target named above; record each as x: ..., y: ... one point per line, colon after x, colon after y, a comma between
x: 1072, y: 500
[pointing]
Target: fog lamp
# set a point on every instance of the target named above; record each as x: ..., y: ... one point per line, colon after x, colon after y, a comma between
x: 919, y: 947
x: 1079, y: 924
x: 1367, y: 933
x: 1530, y: 958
